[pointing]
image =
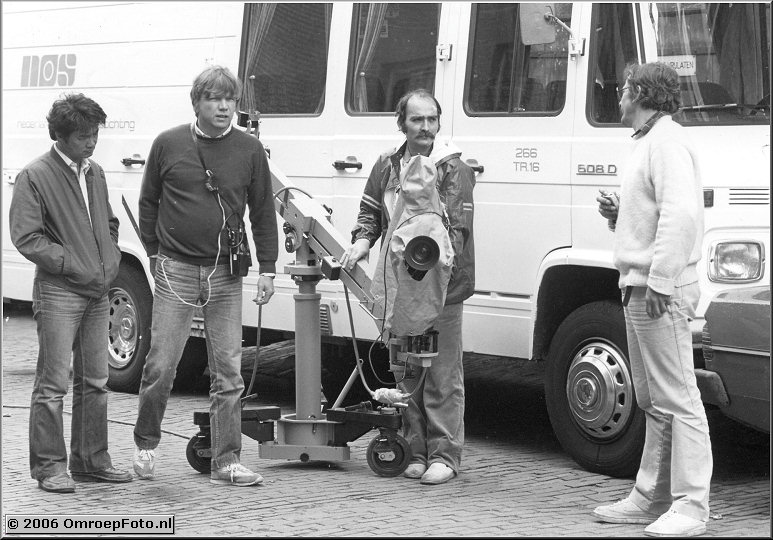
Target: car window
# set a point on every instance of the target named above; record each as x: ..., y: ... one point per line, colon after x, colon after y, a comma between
x: 392, y: 52
x: 284, y: 57
x: 507, y: 76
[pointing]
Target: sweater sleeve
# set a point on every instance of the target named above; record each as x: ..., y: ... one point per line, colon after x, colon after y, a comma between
x: 26, y: 218
x: 150, y: 198
x: 673, y: 177
x: 262, y: 213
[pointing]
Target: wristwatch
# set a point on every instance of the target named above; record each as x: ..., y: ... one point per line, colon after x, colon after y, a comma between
x: 268, y: 274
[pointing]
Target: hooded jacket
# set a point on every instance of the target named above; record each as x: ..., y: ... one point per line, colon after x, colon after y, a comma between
x: 50, y: 226
x: 456, y: 182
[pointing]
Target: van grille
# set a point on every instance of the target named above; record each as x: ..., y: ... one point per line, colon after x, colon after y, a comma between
x: 749, y: 195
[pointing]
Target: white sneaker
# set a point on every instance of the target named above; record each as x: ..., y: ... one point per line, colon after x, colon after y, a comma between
x: 624, y: 511
x: 674, y: 524
x: 415, y: 470
x: 144, y: 463
x: 235, y: 474
x: 438, y: 473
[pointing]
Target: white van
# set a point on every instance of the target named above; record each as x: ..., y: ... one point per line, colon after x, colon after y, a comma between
x: 529, y: 93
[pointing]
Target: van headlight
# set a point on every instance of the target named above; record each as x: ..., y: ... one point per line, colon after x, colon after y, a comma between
x: 736, y: 262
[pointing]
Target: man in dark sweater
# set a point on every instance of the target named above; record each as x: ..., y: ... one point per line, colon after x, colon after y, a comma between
x: 198, y: 180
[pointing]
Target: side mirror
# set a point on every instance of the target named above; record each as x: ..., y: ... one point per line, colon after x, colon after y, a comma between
x: 536, y: 29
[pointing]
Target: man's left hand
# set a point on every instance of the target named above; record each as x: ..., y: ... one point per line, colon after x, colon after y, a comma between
x: 265, y: 290
x: 657, y: 304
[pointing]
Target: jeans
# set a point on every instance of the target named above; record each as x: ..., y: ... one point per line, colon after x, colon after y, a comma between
x: 433, y: 422
x: 179, y: 286
x: 69, y: 326
x: 676, y: 465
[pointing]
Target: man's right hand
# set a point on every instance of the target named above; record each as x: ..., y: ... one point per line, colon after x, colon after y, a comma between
x: 609, y: 203
x: 355, y: 252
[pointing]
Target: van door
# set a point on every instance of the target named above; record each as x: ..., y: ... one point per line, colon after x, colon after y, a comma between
x: 391, y: 50
x: 511, y: 118
x: 601, y: 143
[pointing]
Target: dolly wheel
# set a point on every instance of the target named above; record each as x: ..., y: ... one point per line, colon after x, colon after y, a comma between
x: 388, y: 454
x: 199, y: 453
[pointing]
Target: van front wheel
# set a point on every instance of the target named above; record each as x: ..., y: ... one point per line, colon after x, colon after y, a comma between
x: 131, y: 306
x: 589, y: 391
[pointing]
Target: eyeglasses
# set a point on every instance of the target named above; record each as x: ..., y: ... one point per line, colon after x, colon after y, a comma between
x: 621, y: 92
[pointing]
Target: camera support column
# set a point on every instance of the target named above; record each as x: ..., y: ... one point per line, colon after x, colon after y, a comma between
x: 306, y: 435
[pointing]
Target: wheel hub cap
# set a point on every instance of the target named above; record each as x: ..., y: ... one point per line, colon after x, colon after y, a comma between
x: 122, y: 330
x: 599, y: 390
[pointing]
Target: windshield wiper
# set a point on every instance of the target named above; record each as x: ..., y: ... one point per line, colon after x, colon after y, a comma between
x: 723, y: 106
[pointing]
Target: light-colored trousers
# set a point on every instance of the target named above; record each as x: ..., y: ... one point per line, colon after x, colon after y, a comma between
x: 676, y: 465
x: 433, y: 423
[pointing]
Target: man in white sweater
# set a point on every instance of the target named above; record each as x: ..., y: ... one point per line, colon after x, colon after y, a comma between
x: 658, y: 225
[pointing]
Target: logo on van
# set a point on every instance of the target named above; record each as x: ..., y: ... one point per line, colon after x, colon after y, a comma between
x: 48, y: 70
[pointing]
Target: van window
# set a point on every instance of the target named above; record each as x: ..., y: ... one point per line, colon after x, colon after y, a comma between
x: 721, y: 52
x: 392, y: 52
x: 284, y: 57
x: 613, y: 47
x: 507, y: 77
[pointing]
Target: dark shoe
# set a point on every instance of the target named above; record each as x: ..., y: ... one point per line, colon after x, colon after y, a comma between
x: 105, y: 475
x: 59, y: 483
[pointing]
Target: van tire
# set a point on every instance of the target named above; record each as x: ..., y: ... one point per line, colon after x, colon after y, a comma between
x: 589, y: 391
x: 131, y: 308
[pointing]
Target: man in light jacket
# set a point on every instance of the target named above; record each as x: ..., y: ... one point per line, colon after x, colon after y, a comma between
x: 658, y: 233
x: 61, y: 220
x: 433, y: 423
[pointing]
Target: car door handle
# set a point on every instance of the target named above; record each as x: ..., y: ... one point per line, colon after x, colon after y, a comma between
x: 134, y: 160
x: 475, y: 166
x: 350, y: 163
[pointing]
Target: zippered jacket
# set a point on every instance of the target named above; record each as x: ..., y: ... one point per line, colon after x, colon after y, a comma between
x: 456, y: 182
x: 50, y: 226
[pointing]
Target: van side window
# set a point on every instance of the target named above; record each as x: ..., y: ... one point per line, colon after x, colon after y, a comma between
x: 613, y: 46
x: 392, y: 51
x: 284, y: 57
x: 507, y: 76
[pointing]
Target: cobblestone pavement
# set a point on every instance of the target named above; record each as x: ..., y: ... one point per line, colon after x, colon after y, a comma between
x: 515, y: 479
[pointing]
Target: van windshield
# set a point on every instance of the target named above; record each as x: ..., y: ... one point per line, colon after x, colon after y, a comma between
x: 721, y: 54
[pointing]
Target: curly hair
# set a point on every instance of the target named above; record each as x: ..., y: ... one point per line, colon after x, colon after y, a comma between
x: 74, y: 112
x: 215, y: 81
x: 402, y: 105
x: 655, y: 86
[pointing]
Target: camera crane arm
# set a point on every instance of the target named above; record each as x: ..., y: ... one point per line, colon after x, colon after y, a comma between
x: 308, y: 221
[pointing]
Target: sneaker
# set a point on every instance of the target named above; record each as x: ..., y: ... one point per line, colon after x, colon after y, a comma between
x: 415, y: 470
x: 624, y: 511
x: 438, y: 473
x: 235, y: 474
x: 674, y: 524
x: 144, y: 463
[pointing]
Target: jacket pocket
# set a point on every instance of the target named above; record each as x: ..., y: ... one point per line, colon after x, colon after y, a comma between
x: 79, y: 269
